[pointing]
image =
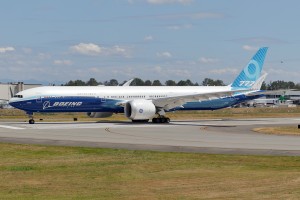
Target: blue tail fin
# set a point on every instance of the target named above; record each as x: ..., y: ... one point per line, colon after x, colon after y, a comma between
x: 250, y: 74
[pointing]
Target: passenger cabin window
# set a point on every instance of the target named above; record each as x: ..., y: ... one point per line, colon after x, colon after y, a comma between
x: 18, y: 96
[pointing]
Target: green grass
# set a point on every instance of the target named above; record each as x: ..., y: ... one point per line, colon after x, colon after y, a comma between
x: 45, y: 172
x: 283, y: 130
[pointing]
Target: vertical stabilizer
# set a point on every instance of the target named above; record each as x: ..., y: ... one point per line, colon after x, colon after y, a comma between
x: 251, y: 73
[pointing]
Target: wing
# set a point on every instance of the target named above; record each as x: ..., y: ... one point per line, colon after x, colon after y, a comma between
x: 168, y: 103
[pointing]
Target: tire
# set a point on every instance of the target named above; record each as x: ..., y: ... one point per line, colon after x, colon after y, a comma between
x: 140, y: 121
x: 154, y: 120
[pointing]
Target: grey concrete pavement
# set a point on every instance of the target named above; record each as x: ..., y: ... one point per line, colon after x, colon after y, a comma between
x: 208, y: 136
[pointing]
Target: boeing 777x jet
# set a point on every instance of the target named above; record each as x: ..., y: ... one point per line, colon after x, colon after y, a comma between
x: 141, y: 103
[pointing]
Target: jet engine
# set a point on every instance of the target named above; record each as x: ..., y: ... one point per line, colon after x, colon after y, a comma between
x: 99, y: 114
x: 139, y: 109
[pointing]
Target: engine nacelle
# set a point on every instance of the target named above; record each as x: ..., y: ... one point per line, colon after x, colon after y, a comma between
x: 139, y: 109
x: 99, y: 114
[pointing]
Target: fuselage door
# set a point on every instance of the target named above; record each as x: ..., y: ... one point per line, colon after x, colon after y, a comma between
x: 39, y: 100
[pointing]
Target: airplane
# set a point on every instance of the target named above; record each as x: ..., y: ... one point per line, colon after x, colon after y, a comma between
x: 142, y: 103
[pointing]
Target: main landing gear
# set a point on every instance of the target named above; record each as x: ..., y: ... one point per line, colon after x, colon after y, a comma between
x: 161, y: 119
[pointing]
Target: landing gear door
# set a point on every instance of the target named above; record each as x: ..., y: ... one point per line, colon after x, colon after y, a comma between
x: 39, y: 100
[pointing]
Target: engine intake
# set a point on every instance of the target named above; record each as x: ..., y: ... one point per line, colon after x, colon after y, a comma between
x: 139, y: 109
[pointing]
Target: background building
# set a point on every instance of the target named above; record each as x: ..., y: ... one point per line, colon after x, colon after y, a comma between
x: 8, y: 90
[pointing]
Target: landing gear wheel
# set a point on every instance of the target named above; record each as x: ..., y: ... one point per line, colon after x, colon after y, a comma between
x: 161, y: 120
x: 154, y: 120
x: 168, y: 120
x: 140, y: 121
x: 30, y: 116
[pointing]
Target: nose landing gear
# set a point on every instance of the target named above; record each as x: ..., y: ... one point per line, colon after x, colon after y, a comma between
x: 31, y: 120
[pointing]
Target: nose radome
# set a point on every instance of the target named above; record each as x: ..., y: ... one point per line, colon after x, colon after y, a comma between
x: 12, y: 101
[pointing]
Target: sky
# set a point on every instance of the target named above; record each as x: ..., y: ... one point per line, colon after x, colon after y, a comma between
x: 60, y: 40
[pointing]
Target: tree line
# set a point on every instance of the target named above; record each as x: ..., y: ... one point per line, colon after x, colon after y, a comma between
x: 276, y: 85
x: 140, y: 82
x: 272, y: 85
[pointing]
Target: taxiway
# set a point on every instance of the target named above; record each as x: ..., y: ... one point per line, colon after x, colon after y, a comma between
x: 229, y: 136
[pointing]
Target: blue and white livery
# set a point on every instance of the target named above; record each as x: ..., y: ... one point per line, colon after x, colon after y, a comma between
x: 252, y: 71
x: 141, y: 103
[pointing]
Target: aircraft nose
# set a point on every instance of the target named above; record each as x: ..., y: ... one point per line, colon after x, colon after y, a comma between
x: 12, y: 101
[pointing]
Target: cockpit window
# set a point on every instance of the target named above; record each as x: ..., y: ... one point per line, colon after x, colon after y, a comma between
x: 18, y: 96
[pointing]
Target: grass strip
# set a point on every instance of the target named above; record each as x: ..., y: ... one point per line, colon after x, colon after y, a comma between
x: 46, y: 172
x: 284, y: 130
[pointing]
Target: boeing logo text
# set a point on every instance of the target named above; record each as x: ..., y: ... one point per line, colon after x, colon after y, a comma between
x: 47, y: 104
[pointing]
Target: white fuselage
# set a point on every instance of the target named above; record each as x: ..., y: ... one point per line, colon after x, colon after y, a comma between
x: 116, y: 92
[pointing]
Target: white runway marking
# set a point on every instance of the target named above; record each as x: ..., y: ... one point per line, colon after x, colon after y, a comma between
x: 11, y: 127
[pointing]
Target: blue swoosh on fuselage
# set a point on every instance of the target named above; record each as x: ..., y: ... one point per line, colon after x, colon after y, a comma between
x: 69, y: 104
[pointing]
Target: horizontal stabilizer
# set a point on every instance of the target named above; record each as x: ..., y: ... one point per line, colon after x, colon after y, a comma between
x: 268, y: 92
x: 257, y: 85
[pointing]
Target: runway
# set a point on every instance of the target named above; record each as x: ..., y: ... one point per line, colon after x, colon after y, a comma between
x: 221, y: 136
